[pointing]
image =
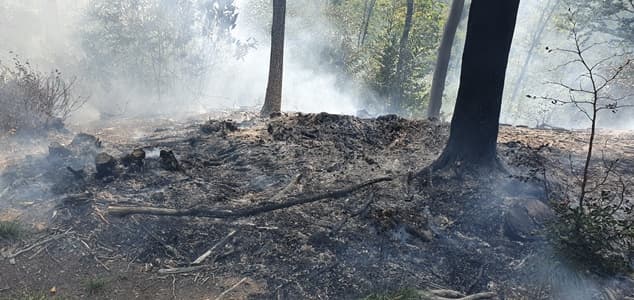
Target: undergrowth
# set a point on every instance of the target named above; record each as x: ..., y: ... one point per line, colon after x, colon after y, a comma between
x: 32, y: 100
x: 10, y: 230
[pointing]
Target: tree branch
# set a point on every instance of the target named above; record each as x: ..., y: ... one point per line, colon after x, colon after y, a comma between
x: 242, y: 212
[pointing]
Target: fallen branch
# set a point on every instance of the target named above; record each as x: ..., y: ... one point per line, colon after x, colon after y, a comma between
x: 231, y: 288
x: 45, y: 241
x: 243, y: 212
x: 219, y: 244
x: 182, y: 270
x: 455, y: 295
x: 283, y: 192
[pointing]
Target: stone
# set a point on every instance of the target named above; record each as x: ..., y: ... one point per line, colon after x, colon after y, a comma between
x: 525, y: 219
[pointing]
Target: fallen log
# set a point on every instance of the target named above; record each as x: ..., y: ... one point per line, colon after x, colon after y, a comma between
x: 242, y: 212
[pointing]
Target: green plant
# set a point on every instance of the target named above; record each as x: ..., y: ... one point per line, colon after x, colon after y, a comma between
x: 595, y: 223
x: 95, y: 285
x: 10, y: 230
x: 34, y: 296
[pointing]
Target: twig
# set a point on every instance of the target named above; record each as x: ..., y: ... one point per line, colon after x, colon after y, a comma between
x: 182, y: 270
x: 476, y: 280
x: 244, y: 212
x: 167, y: 247
x: 94, y: 255
x: 363, y: 210
x: 278, y: 196
x: 231, y: 288
x: 45, y: 241
x: 219, y: 244
x: 173, y: 287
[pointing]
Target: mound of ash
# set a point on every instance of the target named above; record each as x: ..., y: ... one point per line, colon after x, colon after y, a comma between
x: 470, y: 235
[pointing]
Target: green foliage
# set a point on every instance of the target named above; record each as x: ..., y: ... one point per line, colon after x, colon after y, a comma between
x: 158, y: 47
x: 95, y: 285
x: 600, y: 236
x: 10, y: 230
x: 614, y: 17
x: 34, y: 296
x: 374, y: 62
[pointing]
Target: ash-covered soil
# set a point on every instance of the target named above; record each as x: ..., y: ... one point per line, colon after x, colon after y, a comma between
x: 449, y: 230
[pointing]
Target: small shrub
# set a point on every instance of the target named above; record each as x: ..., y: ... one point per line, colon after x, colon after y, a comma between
x: 10, y: 230
x: 600, y: 237
x: 34, y: 100
x: 95, y: 285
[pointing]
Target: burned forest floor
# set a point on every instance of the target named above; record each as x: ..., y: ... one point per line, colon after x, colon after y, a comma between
x: 67, y: 193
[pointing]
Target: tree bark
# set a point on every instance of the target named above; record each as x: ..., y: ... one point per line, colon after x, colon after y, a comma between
x: 273, y: 99
x: 475, y: 124
x: 403, y: 58
x: 444, y: 56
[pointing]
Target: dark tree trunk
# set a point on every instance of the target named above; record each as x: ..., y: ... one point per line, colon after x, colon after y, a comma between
x: 273, y: 99
x: 367, y: 16
x: 403, y: 59
x: 444, y: 56
x: 475, y: 124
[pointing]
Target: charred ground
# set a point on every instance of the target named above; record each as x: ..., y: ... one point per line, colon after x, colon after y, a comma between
x: 447, y: 230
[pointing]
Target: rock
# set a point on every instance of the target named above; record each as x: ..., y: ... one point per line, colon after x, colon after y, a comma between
x: 105, y: 165
x: 525, y: 218
x: 57, y: 151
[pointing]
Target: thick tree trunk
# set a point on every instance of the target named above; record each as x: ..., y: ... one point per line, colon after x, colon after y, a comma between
x: 403, y: 59
x: 367, y: 16
x: 444, y: 56
x: 273, y: 99
x: 475, y: 123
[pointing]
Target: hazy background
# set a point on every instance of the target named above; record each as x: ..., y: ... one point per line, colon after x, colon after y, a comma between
x: 52, y: 34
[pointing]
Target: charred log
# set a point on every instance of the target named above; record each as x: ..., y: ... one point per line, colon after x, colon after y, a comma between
x: 105, y: 165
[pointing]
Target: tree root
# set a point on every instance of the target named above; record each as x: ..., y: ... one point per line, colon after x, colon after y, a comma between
x: 242, y: 212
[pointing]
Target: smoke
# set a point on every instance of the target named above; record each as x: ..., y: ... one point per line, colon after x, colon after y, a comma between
x: 551, y: 66
x: 55, y: 34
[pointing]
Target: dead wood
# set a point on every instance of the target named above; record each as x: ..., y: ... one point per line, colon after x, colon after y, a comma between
x: 182, y: 270
x: 40, y: 243
x: 105, y: 165
x: 283, y: 192
x: 231, y: 288
x: 219, y: 244
x: 455, y: 295
x: 243, y: 212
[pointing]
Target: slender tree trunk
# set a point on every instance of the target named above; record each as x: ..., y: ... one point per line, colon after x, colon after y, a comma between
x: 444, y: 56
x: 273, y: 99
x: 544, y: 19
x: 367, y: 16
x: 403, y: 59
x: 475, y: 124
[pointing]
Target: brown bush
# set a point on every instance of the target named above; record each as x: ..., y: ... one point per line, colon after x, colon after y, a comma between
x: 30, y: 99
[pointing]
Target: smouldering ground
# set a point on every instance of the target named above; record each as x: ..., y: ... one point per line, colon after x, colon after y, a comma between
x: 448, y: 233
